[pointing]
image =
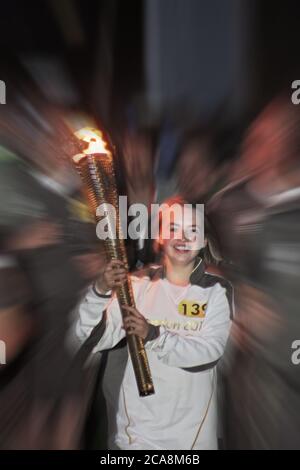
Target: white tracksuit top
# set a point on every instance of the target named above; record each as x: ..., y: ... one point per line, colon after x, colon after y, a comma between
x: 194, y: 323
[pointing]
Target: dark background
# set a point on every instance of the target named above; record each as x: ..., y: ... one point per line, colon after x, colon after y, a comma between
x: 95, y: 53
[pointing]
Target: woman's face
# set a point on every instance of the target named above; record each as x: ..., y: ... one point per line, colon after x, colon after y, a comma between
x: 182, y: 235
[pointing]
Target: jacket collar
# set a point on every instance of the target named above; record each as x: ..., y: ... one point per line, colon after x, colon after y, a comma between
x: 195, y: 277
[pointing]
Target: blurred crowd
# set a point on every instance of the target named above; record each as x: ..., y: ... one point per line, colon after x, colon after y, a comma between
x: 50, y: 392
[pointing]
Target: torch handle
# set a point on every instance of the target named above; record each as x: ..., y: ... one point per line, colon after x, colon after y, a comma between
x: 97, y: 173
x: 136, y: 345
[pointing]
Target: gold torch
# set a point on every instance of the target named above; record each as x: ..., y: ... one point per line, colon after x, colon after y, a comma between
x: 96, y: 169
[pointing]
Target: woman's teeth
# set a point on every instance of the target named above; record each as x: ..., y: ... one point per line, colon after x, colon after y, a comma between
x: 182, y: 248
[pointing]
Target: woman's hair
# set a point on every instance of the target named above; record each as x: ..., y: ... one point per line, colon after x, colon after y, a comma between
x: 210, y: 253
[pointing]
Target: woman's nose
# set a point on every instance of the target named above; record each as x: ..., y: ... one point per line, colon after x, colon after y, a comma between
x: 184, y: 236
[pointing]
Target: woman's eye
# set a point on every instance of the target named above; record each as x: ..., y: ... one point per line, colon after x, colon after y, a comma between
x: 192, y: 230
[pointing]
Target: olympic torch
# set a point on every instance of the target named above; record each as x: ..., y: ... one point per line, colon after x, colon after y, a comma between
x: 96, y: 169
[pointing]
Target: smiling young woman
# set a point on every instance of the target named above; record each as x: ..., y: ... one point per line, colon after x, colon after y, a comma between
x: 183, y: 314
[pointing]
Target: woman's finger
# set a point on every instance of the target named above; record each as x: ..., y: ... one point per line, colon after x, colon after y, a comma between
x: 133, y: 311
x: 135, y: 320
x: 134, y: 327
x: 119, y: 280
x: 115, y: 285
x: 131, y: 321
x: 120, y: 277
x: 118, y: 272
x: 118, y: 283
x: 135, y: 331
x: 114, y: 264
x: 114, y: 276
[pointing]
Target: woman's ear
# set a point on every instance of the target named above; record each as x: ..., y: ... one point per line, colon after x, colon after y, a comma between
x: 205, y: 243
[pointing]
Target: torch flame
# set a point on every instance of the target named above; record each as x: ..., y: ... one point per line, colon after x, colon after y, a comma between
x: 95, y: 140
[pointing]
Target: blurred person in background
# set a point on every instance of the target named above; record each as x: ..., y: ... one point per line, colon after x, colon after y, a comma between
x: 260, y: 214
x: 195, y: 166
x: 194, y: 173
x: 47, y: 257
x: 138, y: 160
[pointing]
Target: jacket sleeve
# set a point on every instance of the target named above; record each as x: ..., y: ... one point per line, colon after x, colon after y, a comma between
x: 95, y: 309
x: 205, y: 348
